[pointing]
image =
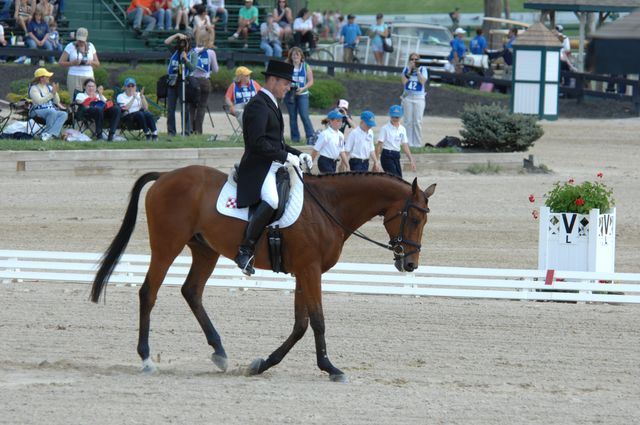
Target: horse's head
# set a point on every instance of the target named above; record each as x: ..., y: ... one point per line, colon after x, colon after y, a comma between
x: 404, y: 222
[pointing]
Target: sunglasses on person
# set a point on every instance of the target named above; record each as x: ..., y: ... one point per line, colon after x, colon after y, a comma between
x: 131, y: 85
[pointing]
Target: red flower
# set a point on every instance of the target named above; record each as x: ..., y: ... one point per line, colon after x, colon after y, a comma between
x: 534, y: 213
x: 599, y: 175
x: 579, y: 202
x: 571, y: 181
x: 532, y: 198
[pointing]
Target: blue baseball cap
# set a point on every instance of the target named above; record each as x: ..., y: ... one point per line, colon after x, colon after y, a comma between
x: 129, y: 81
x: 334, y: 115
x: 396, y: 111
x: 368, y: 118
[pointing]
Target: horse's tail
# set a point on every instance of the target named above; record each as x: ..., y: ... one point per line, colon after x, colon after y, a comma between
x: 111, y: 257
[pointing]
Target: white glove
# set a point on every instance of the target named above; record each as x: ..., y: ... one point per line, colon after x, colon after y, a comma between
x: 293, y: 160
x: 305, y: 159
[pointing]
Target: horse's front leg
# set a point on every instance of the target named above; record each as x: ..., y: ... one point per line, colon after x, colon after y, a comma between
x: 299, y: 328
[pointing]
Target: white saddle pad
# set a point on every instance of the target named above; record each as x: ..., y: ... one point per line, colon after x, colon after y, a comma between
x: 226, y: 204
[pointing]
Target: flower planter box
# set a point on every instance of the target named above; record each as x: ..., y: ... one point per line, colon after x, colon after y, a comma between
x: 577, y: 242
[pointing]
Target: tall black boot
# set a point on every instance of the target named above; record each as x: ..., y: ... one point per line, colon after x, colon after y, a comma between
x: 252, y: 233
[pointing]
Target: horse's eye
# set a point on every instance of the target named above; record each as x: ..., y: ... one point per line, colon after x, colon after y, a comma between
x: 414, y: 221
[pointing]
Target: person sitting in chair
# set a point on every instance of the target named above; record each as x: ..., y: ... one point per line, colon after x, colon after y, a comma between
x: 135, y: 109
x: 264, y: 153
x: 240, y: 92
x: 46, y: 104
x: 98, y: 107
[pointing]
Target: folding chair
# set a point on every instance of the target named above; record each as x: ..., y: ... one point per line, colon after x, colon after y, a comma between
x: 80, y: 119
x: 235, y: 125
x: 129, y: 129
x: 4, y: 119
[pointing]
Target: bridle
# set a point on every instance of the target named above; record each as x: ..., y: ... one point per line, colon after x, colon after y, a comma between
x: 396, y: 244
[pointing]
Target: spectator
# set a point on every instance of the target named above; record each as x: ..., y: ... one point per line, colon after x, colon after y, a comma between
x: 81, y: 57
x: 458, y: 49
x: 135, y: 109
x: 478, y: 44
x: 46, y: 104
x: 201, y: 19
x: 3, y: 43
x: 54, y: 36
x: 350, y: 37
x: 47, y: 10
x: 378, y: 32
x: 414, y: 80
x: 216, y: 11
x: 507, y: 51
x: 138, y: 13
x: 297, y: 99
x: 329, y: 148
x: 270, y: 38
x: 58, y: 6
x: 38, y: 34
x: 359, y: 145
x: 181, y: 10
x: 240, y: 92
x: 565, y: 53
x: 391, y: 139
x: 180, y: 66
x: 23, y: 13
x: 163, y: 14
x: 247, y: 22
x: 303, y: 29
x: 343, y: 107
x: 97, y: 107
x: 5, y: 11
x: 283, y: 16
x: 206, y: 62
x: 455, y: 18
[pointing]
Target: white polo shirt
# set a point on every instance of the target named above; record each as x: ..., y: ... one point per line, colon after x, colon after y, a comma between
x: 330, y: 143
x: 392, y: 137
x: 359, y: 144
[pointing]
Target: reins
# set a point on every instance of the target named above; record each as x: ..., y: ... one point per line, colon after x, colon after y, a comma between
x: 338, y: 222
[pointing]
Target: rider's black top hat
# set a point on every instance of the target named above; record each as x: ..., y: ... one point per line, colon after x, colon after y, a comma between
x: 279, y: 69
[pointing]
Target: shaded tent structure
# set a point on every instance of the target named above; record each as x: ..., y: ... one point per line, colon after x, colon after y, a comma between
x: 615, y: 47
x: 582, y: 8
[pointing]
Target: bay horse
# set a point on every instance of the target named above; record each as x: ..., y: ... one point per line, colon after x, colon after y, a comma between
x: 181, y: 210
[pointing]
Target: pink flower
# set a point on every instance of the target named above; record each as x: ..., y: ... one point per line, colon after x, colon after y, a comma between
x: 571, y: 181
x: 599, y: 175
x: 579, y: 202
x: 532, y: 198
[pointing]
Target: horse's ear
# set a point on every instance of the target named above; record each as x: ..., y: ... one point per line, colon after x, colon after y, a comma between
x: 414, y: 186
x: 429, y: 191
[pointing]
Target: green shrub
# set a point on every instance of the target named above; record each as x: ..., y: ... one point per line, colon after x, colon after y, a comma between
x: 20, y: 87
x: 145, y: 75
x: 221, y: 80
x: 325, y: 93
x: 580, y: 198
x: 493, y: 128
x: 101, y: 75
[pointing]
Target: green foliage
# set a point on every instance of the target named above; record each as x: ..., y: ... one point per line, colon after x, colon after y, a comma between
x: 493, y: 128
x: 570, y: 197
x: 20, y: 87
x: 221, y: 80
x: 145, y: 75
x: 325, y: 93
x: 101, y: 75
x: 487, y: 168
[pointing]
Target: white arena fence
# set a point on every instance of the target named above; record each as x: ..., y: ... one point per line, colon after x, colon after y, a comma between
x: 357, y: 278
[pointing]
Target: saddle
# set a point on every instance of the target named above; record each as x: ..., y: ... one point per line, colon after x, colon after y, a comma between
x: 274, y: 234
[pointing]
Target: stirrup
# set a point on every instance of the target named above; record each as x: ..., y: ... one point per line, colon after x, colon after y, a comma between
x: 246, y: 268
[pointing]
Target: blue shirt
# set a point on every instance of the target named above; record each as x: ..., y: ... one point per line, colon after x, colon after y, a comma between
x: 350, y: 32
x: 457, y: 45
x: 477, y: 45
x: 38, y: 29
x: 509, y: 44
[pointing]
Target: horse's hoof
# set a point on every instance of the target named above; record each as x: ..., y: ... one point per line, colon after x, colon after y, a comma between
x: 220, y: 361
x: 148, y: 367
x: 255, y: 367
x: 341, y: 377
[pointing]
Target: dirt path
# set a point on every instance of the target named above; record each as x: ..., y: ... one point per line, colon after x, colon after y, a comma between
x: 410, y: 360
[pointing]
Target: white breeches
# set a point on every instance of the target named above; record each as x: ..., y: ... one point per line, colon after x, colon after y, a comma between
x: 269, y: 191
x: 413, y: 112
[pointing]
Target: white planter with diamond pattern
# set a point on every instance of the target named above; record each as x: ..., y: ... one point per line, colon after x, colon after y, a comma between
x: 578, y: 242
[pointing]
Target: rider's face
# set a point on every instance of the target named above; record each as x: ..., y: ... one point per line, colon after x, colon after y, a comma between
x: 281, y: 87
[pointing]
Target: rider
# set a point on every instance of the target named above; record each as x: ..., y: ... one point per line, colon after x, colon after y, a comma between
x: 264, y: 153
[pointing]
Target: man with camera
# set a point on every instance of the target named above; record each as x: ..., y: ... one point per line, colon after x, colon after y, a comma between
x: 178, y: 70
x: 414, y: 80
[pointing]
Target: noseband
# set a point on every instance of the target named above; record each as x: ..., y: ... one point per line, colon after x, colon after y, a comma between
x: 396, y: 244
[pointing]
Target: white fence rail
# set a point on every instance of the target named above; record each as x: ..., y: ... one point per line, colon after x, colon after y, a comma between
x: 361, y: 278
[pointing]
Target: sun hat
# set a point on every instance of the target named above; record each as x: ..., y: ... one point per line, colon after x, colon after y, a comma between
x: 276, y: 68
x: 82, y: 34
x: 342, y: 103
x: 42, y: 72
x: 396, y: 111
x: 334, y: 115
x: 368, y: 118
x: 459, y: 31
x: 243, y: 70
x: 129, y: 81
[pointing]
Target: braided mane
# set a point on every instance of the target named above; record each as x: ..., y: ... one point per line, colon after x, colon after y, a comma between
x: 356, y: 173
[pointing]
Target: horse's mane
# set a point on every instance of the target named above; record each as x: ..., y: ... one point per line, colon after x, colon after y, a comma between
x: 357, y: 173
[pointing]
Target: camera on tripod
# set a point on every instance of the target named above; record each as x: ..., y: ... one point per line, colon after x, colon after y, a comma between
x: 183, y: 45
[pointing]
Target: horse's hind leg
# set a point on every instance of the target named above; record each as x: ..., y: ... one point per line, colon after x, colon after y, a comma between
x: 204, y: 261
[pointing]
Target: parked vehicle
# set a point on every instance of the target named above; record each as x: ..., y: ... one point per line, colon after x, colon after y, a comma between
x: 434, y: 42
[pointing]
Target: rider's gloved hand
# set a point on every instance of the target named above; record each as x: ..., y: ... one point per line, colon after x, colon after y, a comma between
x: 305, y: 159
x: 293, y: 160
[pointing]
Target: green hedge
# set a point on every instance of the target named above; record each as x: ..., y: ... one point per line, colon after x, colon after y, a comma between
x: 325, y: 93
